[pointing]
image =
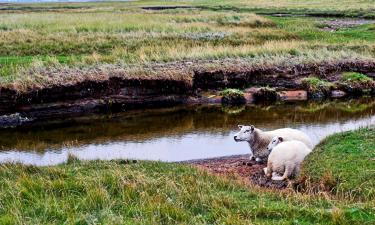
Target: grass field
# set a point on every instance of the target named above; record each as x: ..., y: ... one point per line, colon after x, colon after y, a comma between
x: 123, y: 192
x: 79, y: 35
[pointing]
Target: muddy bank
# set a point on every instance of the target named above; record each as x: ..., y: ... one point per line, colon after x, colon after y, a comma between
x: 241, y: 166
x: 93, y: 96
x: 116, y: 89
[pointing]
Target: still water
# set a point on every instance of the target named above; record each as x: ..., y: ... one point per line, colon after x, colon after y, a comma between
x: 174, y: 134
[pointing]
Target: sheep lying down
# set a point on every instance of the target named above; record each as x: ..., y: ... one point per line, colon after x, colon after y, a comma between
x: 285, y: 158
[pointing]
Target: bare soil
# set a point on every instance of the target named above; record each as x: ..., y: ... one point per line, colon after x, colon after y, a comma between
x: 336, y: 24
x: 240, y: 166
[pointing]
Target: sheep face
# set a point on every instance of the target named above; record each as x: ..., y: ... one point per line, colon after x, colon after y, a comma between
x: 246, y: 133
x: 275, y: 141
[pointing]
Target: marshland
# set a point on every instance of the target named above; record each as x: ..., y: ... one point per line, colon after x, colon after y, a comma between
x: 124, y: 112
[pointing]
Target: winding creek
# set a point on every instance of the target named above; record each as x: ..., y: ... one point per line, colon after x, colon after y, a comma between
x: 174, y: 134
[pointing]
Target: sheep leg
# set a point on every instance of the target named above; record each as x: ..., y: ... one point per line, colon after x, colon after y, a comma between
x: 297, y: 169
x: 252, y: 157
x: 287, y: 173
x: 268, y: 170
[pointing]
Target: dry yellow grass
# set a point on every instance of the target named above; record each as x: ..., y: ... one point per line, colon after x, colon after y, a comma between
x: 98, y: 34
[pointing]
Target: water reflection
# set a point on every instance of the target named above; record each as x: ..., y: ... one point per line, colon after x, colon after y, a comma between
x: 174, y: 134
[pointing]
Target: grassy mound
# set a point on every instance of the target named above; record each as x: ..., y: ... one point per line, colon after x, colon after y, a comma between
x: 355, y: 77
x: 119, y: 192
x: 345, y: 165
x: 233, y: 97
x: 358, y: 80
x: 316, y: 84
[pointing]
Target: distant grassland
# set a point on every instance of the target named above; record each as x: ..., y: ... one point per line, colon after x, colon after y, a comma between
x: 82, y: 34
x: 295, y: 4
x: 344, y: 5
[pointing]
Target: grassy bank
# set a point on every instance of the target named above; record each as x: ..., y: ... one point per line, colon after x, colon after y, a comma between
x: 150, y: 192
x: 345, y: 165
x: 40, y: 37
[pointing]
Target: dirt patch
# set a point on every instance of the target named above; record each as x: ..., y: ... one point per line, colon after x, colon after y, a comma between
x: 239, y: 165
x: 336, y: 24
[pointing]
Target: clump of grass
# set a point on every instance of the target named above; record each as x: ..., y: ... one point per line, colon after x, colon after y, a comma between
x: 356, y: 78
x: 357, y: 83
x: 344, y: 164
x: 316, y: 84
x: 316, y: 87
x: 232, y: 96
x: 232, y: 93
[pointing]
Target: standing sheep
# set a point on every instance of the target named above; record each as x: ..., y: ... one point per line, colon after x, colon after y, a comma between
x: 258, y: 139
x: 285, y: 158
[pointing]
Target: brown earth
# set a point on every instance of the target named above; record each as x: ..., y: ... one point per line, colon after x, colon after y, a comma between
x: 73, y: 91
x: 240, y: 166
x: 336, y: 24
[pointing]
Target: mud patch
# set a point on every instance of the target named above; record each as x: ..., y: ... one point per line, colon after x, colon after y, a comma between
x: 241, y: 166
x: 336, y: 24
x: 259, y: 179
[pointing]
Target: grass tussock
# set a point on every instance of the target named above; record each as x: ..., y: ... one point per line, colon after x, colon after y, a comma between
x: 357, y: 78
x: 316, y: 84
x: 232, y: 96
x: 231, y: 93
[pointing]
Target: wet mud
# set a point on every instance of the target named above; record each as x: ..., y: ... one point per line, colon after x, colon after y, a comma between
x: 240, y: 166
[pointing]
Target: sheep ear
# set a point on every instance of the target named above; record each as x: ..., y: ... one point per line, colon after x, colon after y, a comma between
x: 252, y: 127
x: 281, y: 139
x: 240, y: 126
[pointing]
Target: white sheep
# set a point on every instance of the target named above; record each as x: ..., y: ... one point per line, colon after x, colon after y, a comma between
x: 258, y: 139
x: 285, y: 158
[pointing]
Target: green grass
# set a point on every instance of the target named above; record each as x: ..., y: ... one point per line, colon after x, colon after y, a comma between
x: 353, y: 77
x: 232, y: 93
x: 80, y: 35
x: 315, y: 84
x: 345, y: 164
x: 116, y: 192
